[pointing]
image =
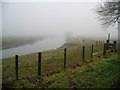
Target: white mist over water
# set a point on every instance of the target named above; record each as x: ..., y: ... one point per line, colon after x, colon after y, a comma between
x: 43, y: 45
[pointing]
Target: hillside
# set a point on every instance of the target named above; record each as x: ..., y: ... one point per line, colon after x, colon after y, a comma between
x: 101, y: 73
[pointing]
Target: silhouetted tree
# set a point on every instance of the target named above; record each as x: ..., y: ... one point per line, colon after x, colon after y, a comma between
x: 109, y: 12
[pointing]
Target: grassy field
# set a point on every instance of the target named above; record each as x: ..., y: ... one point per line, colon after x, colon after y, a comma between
x: 101, y: 73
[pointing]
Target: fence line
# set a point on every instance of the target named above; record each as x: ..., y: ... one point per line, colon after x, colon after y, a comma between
x: 105, y: 49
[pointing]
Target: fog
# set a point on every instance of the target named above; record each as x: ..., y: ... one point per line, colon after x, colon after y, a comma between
x: 51, y: 18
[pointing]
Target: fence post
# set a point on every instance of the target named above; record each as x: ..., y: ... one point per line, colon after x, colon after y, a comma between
x: 114, y: 46
x: 92, y: 52
x: 107, y: 44
x: 39, y: 64
x: 83, y: 57
x: 65, y: 58
x: 104, y: 50
x: 16, y: 66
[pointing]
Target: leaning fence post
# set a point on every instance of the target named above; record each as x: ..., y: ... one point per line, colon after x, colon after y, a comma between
x: 104, y: 50
x: 16, y: 66
x: 39, y: 64
x: 65, y: 58
x: 83, y: 57
x: 92, y: 52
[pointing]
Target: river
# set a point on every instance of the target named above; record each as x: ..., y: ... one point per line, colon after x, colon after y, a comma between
x: 43, y: 45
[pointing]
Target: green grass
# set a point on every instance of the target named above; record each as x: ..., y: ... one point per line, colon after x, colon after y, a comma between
x: 99, y: 74
x: 77, y: 74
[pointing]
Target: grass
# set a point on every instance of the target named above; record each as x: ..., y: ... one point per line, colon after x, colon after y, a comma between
x: 76, y: 74
x: 99, y: 74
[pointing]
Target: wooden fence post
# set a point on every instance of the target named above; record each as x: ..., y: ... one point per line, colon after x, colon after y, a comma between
x: 104, y: 50
x: 92, y: 52
x: 114, y: 46
x: 65, y: 58
x: 107, y: 44
x: 83, y: 57
x: 39, y: 64
x: 16, y: 66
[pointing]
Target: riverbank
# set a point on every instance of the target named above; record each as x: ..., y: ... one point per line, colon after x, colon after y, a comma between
x: 47, y: 43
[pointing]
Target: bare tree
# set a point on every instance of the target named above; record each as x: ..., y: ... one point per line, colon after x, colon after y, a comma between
x: 109, y: 12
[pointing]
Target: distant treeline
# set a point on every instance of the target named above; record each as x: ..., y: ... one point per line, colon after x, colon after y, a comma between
x: 11, y: 42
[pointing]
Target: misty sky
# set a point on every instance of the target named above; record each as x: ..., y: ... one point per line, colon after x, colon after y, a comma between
x: 50, y: 18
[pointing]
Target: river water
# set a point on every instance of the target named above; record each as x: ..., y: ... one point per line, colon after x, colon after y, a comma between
x: 43, y: 45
